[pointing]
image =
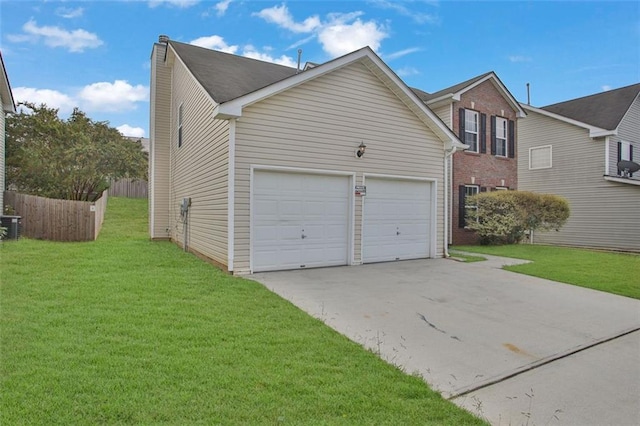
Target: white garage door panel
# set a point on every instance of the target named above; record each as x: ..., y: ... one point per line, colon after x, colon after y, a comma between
x: 397, y: 220
x: 299, y: 220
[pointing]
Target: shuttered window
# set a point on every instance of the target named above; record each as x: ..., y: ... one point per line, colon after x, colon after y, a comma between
x: 472, y: 130
x: 503, y: 142
x: 499, y: 143
x: 466, y: 191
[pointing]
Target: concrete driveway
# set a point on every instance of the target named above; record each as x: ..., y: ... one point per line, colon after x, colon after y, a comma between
x: 511, y: 348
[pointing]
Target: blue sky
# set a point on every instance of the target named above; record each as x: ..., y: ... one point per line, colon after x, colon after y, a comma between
x: 95, y: 54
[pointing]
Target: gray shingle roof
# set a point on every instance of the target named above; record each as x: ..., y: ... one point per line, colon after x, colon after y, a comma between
x: 225, y: 76
x: 453, y: 89
x: 604, y: 110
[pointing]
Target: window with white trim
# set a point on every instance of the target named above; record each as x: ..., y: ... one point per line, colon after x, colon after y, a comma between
x: 180, y: 126
x: 471, y: 129
x: 501, y: 188
x: 625, y: 153
x: 624, y: 149
x: 501, y: 136
x: 540, y: 157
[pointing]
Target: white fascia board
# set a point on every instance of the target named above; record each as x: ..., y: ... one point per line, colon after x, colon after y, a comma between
x: 8, y: 103
x: 505, y: 93
x: 599, y: 133
x: 441, y: 100
x: 622, y: 180
x: 594, y: 132
x: 227, y: 112
x: 441, y: 129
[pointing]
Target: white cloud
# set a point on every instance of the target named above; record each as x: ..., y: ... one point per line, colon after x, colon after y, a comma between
x: 606, y: 88
x: 250, y: 52
x: 520, y: 58
x: 214, y: 42
x: 407, y: 71
x: 182, y: 4
x: 74, y: 41
x: 117, y: 97
x: 221, y: 7
x: 401, y: 53
x: 419, y: 17
x: 52, y: 98
x: 340, y: 39
x: 113, y: 97
x: 301, y: 42
x: 281, y: 16
x: 134, y: 132
x: 68, y: 13
x: 339, y: 34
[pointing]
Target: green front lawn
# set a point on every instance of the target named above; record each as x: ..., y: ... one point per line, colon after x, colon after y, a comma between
x: 128, y: 331
x: 616, y: 273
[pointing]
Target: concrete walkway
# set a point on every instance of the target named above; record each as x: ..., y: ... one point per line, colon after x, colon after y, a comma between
x: 511, y: 348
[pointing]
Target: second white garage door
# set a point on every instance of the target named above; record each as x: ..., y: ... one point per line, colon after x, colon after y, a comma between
x: 299, y: 220
x: 397, y: 220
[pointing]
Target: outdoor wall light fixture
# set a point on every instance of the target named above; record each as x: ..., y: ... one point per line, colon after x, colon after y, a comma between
x: 361, y: 149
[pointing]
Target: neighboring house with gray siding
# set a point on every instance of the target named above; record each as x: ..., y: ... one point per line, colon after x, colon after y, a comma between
x: 8, y: 105
x: 267, y: 160
x: 572, y: 149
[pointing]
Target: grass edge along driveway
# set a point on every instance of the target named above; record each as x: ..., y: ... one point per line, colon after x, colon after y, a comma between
x: 125, y: 330
x: 611, y: 272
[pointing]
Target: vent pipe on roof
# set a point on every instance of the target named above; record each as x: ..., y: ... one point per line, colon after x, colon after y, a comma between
x: 163, y: 38
x: 299, y: 57
x: 528, y: 95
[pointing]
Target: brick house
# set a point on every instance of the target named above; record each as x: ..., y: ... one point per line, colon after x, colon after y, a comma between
x: 483, y: 114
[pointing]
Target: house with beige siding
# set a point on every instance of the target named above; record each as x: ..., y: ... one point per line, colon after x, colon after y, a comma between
x: 573, y: 149
x: 8, y: 105
x: 259, y: 167
x: 484, y: 115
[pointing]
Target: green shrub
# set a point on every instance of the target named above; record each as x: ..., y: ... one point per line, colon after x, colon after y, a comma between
x: 504, y: 217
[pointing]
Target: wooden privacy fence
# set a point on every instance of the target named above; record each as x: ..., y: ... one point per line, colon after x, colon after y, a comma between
x: 58, y: 220
x: 130, y: 188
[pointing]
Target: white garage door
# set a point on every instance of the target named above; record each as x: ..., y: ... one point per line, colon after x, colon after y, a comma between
x: 397, y: 220
x: 299, y: 220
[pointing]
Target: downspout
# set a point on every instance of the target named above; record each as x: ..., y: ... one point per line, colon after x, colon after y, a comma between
x: 231, y: 191
x: 606, y: 156
x: 447, y: 155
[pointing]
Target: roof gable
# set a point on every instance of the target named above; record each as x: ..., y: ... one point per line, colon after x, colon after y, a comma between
x: 453, y: 93
x: 456, y: 89
x: 604, y: 110
x: 232, y: 108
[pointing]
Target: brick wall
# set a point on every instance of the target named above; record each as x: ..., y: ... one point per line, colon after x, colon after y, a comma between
x: 485, y: 170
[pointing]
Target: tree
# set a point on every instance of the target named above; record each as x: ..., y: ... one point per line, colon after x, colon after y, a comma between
x: 504, y: 217
x: 69, y: 159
